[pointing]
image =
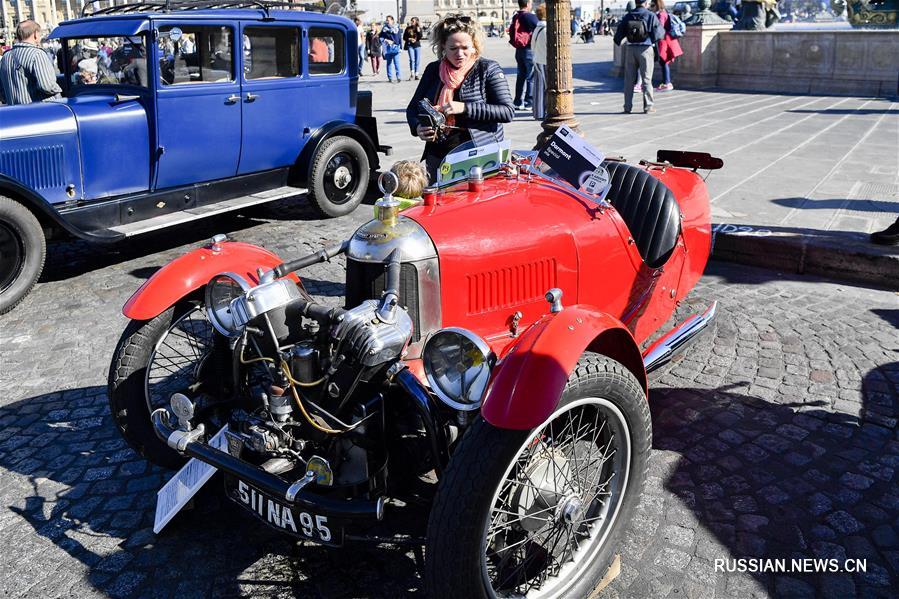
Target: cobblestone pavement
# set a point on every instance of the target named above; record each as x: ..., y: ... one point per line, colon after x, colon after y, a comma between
x: 775, y: 437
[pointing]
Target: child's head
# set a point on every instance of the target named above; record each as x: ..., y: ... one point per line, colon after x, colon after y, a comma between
x: 412, y: 178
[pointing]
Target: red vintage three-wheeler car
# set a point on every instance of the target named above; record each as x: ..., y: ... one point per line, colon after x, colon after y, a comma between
x: 487, y: 363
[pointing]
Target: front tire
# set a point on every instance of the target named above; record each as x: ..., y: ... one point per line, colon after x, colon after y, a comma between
x: 154, y: 359
x: 339, y: 176
x: 23, y: 250
x: 540, y: 513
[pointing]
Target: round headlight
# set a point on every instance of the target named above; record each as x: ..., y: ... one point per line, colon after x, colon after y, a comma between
x: 221, y: 290
x: 457, y: 363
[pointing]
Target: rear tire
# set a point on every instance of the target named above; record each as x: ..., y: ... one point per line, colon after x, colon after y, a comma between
x: 23, y: 250
x: 550, y: 492
x: 339, y: 176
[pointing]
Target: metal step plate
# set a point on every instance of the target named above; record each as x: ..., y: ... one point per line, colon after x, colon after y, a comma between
x: 185, y: 216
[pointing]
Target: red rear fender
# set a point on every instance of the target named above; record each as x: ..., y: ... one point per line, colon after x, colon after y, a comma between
x: 190, y: 272
x: 529, y: 380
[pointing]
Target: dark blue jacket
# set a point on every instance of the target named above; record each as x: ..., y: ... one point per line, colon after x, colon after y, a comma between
x: 488, y: 104
x: 393, y: 34
x: 650, y: 20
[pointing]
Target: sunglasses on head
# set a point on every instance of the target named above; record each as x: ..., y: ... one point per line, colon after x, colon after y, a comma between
x: 456, y: 19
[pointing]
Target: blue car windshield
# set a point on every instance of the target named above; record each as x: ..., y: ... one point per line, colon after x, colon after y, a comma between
x: 104, y: 60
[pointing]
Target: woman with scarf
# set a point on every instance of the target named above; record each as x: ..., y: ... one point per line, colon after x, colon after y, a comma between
x: 469, y: 89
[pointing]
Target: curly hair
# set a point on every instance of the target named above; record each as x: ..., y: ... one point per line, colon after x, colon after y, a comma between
x: 412, y: 178
x: 451, y: 24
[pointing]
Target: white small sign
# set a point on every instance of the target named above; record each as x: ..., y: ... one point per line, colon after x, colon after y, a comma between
x: 598, y: 182
x: 175, y: 494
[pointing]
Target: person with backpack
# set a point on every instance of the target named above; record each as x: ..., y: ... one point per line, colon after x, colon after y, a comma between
x: 668, y: 47
x: 523, y: 24
x: 642, y: 30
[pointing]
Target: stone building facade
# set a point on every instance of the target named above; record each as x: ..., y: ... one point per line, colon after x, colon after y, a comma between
x: 486, y: 10
x: 48, y: 13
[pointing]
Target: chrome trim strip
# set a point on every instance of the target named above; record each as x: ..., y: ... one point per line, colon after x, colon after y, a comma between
x: 676, y: 340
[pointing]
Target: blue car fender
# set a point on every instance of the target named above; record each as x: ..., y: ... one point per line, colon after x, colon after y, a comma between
x: 303, y: 167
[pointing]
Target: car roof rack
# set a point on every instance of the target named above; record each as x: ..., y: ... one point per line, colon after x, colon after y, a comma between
x: 175, y: 5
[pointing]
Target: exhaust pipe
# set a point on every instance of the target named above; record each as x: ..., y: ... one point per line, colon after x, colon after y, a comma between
x: 678, y: 339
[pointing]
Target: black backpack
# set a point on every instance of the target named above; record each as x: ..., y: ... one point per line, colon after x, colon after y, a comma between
x: 635, y: 31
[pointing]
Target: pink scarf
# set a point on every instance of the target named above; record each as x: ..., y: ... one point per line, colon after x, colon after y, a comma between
x: 452, y: 78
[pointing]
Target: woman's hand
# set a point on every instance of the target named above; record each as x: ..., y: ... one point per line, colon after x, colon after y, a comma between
x: 452, y: 108
x: 426, y: 133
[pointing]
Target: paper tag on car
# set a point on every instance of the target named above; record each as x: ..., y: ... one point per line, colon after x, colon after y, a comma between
x: 598, y: 182
x: 175, y: 494
x: 570, y: 156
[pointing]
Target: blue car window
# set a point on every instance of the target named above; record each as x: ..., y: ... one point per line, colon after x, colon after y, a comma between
x: 271, y: 52
x: 326, y: 51
x: 106, y: 60
x: 191, y: 54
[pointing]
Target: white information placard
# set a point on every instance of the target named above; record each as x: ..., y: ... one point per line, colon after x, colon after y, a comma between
x: 571, y: 157
x: 175, y: 494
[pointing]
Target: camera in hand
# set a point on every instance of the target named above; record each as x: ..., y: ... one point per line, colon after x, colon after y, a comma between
x: 428, y: 116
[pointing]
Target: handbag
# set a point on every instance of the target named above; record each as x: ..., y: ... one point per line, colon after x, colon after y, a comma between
x: 390, y: 50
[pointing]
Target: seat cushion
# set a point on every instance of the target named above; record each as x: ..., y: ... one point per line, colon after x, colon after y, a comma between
x: 648, y: 208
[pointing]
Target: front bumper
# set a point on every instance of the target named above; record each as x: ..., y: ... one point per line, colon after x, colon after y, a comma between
x: 289, y: 493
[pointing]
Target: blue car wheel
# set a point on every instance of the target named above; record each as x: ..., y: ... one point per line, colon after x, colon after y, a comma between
x: 22, y: 252
x: 339, y: 176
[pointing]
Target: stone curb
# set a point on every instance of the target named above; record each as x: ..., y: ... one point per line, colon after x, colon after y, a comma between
x: 837, y: 255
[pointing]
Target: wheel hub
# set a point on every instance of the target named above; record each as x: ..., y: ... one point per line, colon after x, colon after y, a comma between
x: 571, y: 510
x: 342, y: 177
x: 541, y: 498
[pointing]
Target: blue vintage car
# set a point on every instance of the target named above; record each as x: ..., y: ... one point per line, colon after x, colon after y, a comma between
x: 173, y: 112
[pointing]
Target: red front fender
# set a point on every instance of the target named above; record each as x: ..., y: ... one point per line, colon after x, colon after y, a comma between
x: 186, y: 274
x: 529, y: 380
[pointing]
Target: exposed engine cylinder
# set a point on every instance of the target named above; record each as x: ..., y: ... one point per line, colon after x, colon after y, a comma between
x: 419, y: 294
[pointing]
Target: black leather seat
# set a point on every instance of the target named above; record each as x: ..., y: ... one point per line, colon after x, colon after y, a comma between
x: 648, y: 208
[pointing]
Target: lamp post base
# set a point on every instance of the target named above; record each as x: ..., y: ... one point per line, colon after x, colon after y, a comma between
x: 552, y: 124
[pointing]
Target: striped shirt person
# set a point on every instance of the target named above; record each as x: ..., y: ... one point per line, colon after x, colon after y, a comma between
x: 26, y: 73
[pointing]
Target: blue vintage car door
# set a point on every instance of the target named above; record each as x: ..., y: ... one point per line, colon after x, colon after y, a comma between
x: 198, y: 102
x: 275, y: 96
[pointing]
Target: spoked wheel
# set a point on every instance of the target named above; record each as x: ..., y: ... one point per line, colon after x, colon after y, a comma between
x: 539, y: 513
x: 177, y: 361
x: 558, y: 499
x: 339, y: 176
x: 172, y: 353
x: 22, y: 252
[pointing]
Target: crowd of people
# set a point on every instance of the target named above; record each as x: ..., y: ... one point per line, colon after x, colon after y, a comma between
x: 383, y: 43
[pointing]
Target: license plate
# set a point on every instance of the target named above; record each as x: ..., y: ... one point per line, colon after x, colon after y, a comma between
x: 279, y: 515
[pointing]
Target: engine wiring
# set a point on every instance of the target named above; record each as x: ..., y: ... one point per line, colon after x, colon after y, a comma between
x: 300, y: 383
x: 296, y: 396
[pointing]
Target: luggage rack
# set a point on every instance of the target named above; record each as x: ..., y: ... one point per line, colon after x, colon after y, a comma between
x: 174, y: 5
